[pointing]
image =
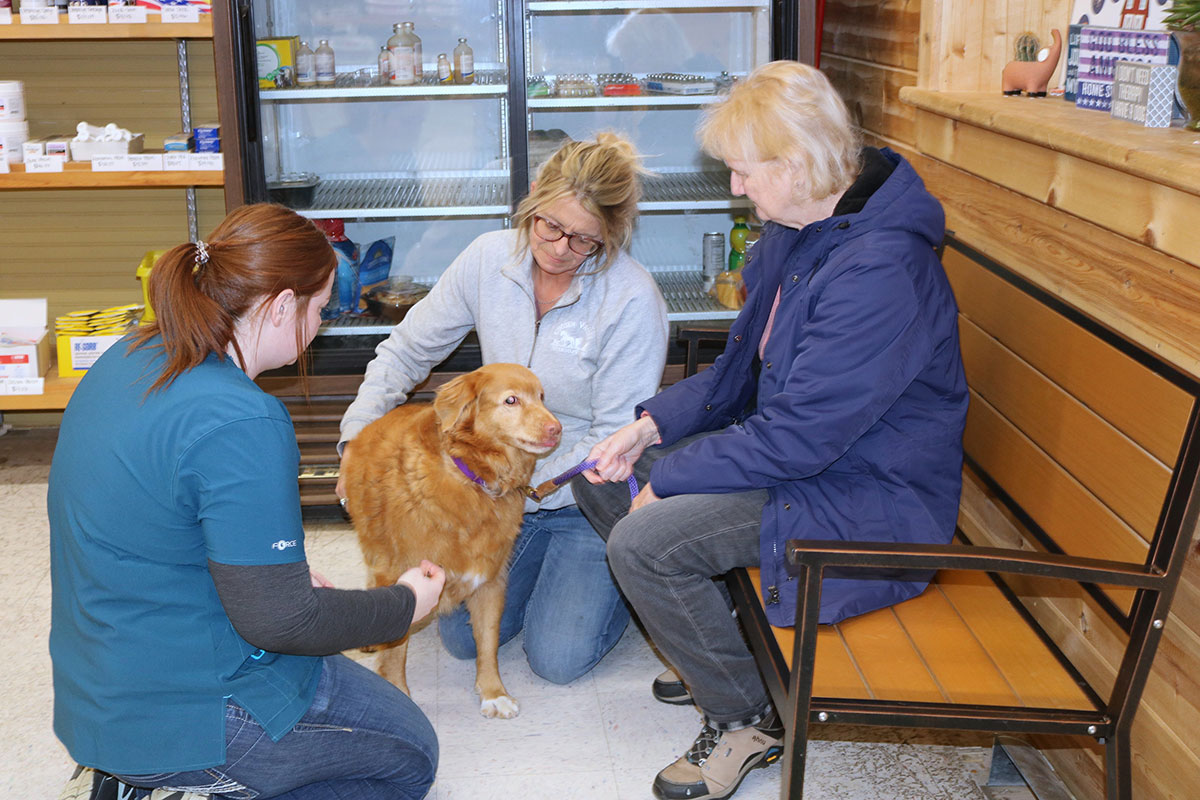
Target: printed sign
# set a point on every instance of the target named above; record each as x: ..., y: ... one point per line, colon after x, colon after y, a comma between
x: 1144, y: 93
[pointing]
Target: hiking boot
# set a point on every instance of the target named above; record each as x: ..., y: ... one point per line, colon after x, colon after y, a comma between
x: 668, y: 688
x: 717, y: 761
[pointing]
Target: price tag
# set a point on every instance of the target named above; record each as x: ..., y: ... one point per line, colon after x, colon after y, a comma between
x: 127, y: 15
x: 44, y: 164
x: 22, y: 385
x: 207, y: 161
x: 146, y: 162
x: 5, y: 16
x: 180, y: 14
x: 39, y: 16
x: 87, y: 15
x: 177, y: 161
x: 119, y: 162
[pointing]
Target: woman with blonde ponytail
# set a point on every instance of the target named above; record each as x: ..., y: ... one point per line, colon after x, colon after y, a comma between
x: 193, y: 649
x: 559, y: 293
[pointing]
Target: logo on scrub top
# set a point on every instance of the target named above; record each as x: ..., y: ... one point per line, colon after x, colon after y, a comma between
x: 283, y: 544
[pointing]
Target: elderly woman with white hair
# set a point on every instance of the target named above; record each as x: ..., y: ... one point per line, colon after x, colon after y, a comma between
x: 835, y: 412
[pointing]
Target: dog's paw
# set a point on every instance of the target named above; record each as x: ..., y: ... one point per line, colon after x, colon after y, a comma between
x: 503, y: 706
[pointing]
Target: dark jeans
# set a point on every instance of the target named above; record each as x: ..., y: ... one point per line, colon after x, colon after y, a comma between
x: 362, y: 739
x: 664, y: 558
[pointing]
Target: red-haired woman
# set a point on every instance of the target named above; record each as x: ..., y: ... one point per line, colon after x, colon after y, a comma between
x: 191, y: 648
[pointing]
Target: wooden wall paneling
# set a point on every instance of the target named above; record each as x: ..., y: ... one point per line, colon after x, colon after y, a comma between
x: 885, y: 32
x: 1142, y: 404
x: 964, y: 46
x: 1117, y: 471
x: 1150, y: 298
x: 872, y: 93
x: 1152, y: 214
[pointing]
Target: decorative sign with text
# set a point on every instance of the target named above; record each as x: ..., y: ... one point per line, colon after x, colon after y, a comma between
x: 1144, y: 93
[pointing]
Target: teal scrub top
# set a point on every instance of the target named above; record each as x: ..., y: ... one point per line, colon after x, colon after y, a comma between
x: 144, y: 490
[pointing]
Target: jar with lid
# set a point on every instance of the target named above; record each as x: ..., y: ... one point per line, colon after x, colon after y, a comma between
x: 326, y: 75
x: 306, y: 66
x: 464, y: 62
x: 445, y: 73
x: 385, y: 66
x: 403, y: 53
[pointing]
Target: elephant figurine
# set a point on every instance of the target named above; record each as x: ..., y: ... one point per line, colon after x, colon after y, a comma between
x: 1032, y: 77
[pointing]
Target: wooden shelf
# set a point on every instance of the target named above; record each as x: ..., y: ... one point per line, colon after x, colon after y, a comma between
x: 153, y: 29
x: 1166, y: 156
x: 79, y: 175
x: 57, y: 392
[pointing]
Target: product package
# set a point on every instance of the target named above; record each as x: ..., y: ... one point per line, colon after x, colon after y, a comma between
x: 276, y: 57
x: 357, y: 268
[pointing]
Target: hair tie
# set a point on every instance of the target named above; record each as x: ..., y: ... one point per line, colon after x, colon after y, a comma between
x: 201, y: 253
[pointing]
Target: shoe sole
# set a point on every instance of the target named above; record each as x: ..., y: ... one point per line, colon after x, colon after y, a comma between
x: 682, y: 698
x: 771, y: 755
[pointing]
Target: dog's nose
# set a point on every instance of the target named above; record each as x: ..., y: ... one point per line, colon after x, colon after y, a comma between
x: 553, y: 429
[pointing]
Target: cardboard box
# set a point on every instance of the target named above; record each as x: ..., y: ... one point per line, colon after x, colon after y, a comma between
x: 275, y: 57
x: 24, y: 342
x: 83, y: 151
x: 76, y: 354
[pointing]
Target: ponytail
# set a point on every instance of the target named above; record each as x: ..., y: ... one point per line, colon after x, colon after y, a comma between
x: 200, y: 290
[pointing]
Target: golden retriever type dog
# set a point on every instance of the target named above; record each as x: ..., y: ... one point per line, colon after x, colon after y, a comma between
x: 409, y: 500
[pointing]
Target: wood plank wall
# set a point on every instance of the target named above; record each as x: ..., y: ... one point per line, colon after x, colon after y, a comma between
x: 80, y: 248
x: 868, y: 51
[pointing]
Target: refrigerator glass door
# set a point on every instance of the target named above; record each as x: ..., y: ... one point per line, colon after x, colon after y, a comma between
x: 648, y: 70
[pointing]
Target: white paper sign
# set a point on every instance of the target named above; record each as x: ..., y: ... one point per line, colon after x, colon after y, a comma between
x: 44, y: 164
x: 207, y: 161
x: 177, y: 161
x: 22, y: 385
x: 180, y: 14
x: 143, y: 162
x: 87, y: 15
x: 5, y: 16
x: 118, y: 162
x: 39, y: 16
x: 127, y: 15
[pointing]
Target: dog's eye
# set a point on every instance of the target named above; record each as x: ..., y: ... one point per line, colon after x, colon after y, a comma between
x: 511, y: 400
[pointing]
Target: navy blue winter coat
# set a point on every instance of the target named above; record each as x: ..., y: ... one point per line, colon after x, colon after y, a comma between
x: 855, y: 425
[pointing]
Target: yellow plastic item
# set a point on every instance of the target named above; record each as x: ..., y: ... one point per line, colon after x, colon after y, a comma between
x: 143, y: 274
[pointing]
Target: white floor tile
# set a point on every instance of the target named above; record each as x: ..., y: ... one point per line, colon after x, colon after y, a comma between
x: 601, y: 737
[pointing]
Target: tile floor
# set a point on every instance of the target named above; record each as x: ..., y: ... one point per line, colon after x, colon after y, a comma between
x: 602, y: 737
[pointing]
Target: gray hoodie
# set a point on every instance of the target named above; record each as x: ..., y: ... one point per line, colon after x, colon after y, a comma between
x: 598, y: 352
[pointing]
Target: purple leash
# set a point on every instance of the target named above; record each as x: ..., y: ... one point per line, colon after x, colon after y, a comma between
x: 573, y: 471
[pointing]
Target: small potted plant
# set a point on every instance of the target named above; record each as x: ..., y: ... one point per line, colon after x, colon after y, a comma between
x: 1184, y: 20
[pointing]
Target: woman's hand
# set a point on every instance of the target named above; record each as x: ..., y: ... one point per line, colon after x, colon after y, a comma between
x: 644, y: 498
x: 426, y: 582
x: 616, y: 454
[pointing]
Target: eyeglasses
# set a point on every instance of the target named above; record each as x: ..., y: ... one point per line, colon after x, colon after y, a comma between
x: 579, y: 244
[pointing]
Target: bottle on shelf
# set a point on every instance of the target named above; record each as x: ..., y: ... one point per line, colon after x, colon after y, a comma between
x: 737, y: 242
x: 445, y: 73
x: 403, y: 53
x: 385, y: 66
x: 464, y: 62
x: 326, y: 74
x: 418, y: 53
x: 306, y: 66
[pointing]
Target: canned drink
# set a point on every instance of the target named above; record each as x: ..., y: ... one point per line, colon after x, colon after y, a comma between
x: 713, y: 263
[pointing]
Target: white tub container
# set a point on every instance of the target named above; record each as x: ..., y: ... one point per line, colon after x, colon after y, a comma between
x: 12, y: 101
x: 13, y: 134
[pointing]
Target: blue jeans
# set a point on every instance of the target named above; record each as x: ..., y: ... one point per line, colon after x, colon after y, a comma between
x: 560, y: 591
x: 361, y: 739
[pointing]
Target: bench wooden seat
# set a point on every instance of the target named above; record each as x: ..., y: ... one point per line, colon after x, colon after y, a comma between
x: 1078, y: 506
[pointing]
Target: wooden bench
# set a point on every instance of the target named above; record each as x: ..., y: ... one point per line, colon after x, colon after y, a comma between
x: 1079, y: 502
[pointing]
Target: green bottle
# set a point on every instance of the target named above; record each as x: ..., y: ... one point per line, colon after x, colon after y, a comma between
x: 737, y: 242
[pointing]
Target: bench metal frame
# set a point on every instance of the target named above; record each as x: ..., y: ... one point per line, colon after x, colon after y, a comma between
x: 1110, y: 719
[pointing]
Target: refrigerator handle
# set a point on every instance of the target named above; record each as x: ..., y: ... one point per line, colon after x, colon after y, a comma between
x: 234, y: 48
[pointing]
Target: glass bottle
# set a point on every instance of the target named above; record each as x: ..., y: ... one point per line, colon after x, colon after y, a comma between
x: 401, y: 47
x: 418, y: 54
x: 385, y: 66
x: 737, y: 242
x: 444, y: 73
x: 464, y: 62
x: 326, y: 75
x: 306, y: 66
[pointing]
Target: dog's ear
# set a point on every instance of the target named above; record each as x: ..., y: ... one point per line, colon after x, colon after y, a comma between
x: 455, y: 402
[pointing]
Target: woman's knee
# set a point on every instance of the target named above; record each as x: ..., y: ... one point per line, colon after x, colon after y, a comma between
x: 456, y: 634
